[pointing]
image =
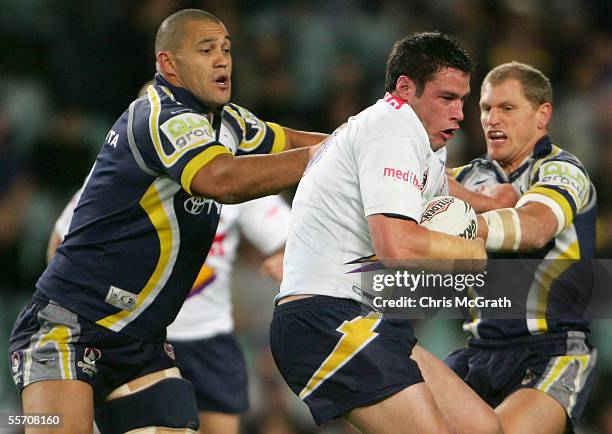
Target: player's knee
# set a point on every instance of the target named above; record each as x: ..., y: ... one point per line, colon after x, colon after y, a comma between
x: 167, y: 404
x: 487, y: 423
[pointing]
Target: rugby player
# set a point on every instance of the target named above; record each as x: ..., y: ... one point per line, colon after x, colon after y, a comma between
x: 359, y: 202
x: 202, y: 333
x: 94, y: 332
x: 536, y: 372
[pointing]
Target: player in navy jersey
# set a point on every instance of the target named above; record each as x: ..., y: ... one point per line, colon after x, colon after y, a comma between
x: 537, y: 371
x: 139, y: 235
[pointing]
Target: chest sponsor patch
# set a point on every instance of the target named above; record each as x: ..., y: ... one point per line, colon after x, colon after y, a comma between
x: 188, y: 129
x: 406, y: 176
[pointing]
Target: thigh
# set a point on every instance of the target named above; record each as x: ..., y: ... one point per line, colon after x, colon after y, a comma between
x: 72, y: 400
x: 410, y: 411
x: 212, y: 422
x: 531, y: 411
x: 473, y: 415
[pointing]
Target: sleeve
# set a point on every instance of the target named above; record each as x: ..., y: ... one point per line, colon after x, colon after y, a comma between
x: 177, y: 140
x: 255, y: 135
x: 62, y: 225
x: 265, y: 223
x: 390, y: 171
x: 561, y: 185
x: 458, y: 173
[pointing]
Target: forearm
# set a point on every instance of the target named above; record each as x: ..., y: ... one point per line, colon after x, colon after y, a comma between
x: 526, y: 228
x: 403, y: 244
x: 229, y: 179
x: 299, y: 139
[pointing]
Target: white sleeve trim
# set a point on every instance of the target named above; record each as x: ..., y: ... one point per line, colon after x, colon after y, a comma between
x: 550, y: 203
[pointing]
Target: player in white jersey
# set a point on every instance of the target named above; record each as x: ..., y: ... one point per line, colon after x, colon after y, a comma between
x: 359, y: 201
x: 202, y: 333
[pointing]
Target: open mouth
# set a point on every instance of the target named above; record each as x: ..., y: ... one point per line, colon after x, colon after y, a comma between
x: 223, y: 81
x: 496, y: 136
x: 448, y: 133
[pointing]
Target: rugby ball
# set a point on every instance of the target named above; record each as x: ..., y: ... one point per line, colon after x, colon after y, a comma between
x: 450, y: 215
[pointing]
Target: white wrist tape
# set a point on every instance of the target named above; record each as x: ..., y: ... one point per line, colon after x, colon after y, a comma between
x: 504, y: 230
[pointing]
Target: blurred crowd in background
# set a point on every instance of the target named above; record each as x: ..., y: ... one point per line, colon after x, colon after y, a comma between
x: 68, y: 68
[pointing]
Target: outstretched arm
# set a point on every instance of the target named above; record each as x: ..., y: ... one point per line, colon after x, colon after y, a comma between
x: 298, y: 139
x: 502, y: 196
x: 230, y: 179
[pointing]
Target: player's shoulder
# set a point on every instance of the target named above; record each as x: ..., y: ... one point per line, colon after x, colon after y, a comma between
x: 381, y: 120
x: 476, y: 165
x: 554, y: 160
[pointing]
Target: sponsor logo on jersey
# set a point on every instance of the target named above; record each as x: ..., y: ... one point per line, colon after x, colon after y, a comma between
x: 120, y: 298
x: 436, y: 208
x: 187, y: 129
x: 196, y: 205
x: 88, y: 365
x: 406, y: 176
x: 566, y: 175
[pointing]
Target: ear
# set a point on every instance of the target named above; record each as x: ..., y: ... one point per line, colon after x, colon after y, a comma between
x: 405, y: 88
x: 544, y: 115
x: 166, y: 65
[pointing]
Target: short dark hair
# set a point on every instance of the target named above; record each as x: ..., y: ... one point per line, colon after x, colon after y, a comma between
x: 420, y: 55
x: 534, y: 84
x: 172, y: 29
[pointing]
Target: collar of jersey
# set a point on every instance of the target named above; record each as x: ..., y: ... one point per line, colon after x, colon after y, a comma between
x: 183, y: 95
x: 542, y: 148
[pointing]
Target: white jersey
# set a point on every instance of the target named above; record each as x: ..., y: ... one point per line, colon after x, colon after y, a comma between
x: 380, y: 161
x: 207, y: 311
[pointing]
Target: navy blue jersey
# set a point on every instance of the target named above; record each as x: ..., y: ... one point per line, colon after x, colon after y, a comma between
x: 556, y: 178
x: 139, y: 236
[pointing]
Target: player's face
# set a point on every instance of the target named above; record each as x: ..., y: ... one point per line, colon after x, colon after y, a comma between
x: 204, y: 62
x: 440, y: 106
x: 511, y: 124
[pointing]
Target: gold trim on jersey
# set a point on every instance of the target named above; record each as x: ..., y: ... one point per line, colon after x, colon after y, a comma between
x: 244, y: 117
x: 158, y: 203
x: 280, y: 140
x: 168, y: 160
x: 233, y: 113
x: 555, y: 263
x: 356, y: 334
x: 559, y: 199
x: 199, y: 161
x: 555, y: 150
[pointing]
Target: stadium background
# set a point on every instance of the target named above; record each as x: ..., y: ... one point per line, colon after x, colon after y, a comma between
x: 68, y: 68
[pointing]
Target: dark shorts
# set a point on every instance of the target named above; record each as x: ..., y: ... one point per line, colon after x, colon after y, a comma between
x: 560, y: 365
x: 336, y: 358
x: 216, y: 368
x: 49, y: 342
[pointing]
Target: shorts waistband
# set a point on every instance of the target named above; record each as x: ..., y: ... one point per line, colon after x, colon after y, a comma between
x: 315, y: 302
x: 531, y: 339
